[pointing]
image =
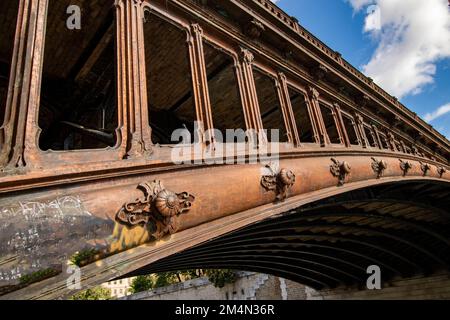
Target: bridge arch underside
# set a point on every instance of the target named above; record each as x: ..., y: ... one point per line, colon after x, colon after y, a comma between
x: 402, y: 227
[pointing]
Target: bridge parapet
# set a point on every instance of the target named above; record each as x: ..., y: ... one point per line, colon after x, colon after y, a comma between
x: 359, y: 118
x: 337, y: 59
x: 69, y: 165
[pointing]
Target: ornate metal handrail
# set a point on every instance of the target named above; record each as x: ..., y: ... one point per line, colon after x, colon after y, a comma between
x: 293, y: 23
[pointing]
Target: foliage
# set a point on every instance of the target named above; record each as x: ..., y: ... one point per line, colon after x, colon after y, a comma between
x: 37, y: 276
x: 165, y: 279
x: 83, y: 256
x: 192, y: 274
x: 97, y: 293
x: 144, y: 283
x: 220, y: 277
x: 141, y: 283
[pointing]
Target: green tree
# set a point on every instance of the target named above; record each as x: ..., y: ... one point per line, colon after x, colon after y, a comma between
x: 164, y: 279
x: 141, y: 283
x: 220, y: 277
x: 97, y: 293
x: 192, y: 274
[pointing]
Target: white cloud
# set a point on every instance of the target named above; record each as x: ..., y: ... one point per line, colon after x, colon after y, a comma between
x: 412, y: 36
x: 439, y: 112
x: 359, y: 4
x: 373, y: 19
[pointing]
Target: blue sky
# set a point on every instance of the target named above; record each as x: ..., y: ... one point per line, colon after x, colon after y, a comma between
x: 403, y: 45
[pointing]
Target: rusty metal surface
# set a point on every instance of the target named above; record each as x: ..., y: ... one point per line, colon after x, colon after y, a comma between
x: 52, y: 225
x: 55, y: 203
x: 129, y: 261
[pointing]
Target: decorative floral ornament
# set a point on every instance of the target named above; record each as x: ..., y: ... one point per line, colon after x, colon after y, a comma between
x: 405, y: 166
x: 425, y: 167
x: 441, y: 171
x: 340, y: 170
x: 158, y: 209
x: 278, y: 181
x: 379, y: 166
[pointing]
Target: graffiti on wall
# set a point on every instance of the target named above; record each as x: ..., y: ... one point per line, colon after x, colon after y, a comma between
x: 36, y: 234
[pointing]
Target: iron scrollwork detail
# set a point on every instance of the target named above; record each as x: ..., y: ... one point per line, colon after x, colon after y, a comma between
x: 425, y: 167
x: 441, y: 171
x: 379, y: 166
x: 340, y: 170
x: 405, y: 166
x: 254, y: 29
x: 158, y: 210
x: 278, y: 181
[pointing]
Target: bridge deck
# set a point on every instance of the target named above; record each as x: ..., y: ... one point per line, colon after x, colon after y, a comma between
x: 88, y: 163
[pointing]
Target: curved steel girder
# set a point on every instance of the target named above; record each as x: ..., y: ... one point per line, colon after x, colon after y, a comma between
x: 200, y: 250
x: 249, y: 252
x: 310, y: 215
x: 386, y: 235
x: 310, y: 282
x: 268, y: 239
x: 269, y: 261
x: 367, y: 229
x: 267, y: 236
x: 204, y: 258
x: 430, y: 231
x: 434, y: 209
x: 426, y: 190
x: 296, y: 271
x: 397, y: 187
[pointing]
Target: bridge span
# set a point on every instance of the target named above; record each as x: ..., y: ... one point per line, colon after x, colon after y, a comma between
x: 87, y: 169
